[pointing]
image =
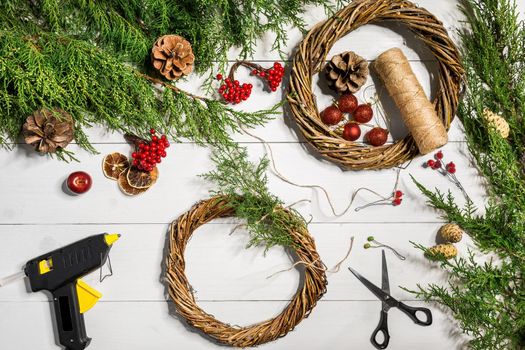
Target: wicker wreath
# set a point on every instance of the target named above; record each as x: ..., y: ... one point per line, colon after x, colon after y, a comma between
x: 313, y: 288
x: 310, y: 58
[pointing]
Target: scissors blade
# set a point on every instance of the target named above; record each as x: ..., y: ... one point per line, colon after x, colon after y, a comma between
x: 385, y: 283
x: 375, y: 289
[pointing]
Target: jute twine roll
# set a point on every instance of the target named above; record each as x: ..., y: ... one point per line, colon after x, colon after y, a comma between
x: 417, y: 112
x: 313, y: 282
x: 312, y: 55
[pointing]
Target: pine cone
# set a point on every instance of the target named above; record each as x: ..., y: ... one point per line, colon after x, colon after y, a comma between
x: 447, y: 251
x: 497, y: 122
x: 451, y: 233
x: 48, y: 130
x: 172, y: 56
x: 346, y: 72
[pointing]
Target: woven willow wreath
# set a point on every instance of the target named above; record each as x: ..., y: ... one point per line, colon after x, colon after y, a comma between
x: 313, y: 288
x: 310, y: 58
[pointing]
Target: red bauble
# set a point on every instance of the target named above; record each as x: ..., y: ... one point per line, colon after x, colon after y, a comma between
x: 377, y: 136
x: 363, y: 113
x: 351, y: 131
x: 79, y: 182
x: 331, y: 115
x: 347, y: 103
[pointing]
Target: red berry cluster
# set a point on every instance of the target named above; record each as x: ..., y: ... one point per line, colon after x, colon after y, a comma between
x: 149, y: 154
x: 397, y: 198
x: 438, y: 164
x: 273, y: 76
x: 233, y: 92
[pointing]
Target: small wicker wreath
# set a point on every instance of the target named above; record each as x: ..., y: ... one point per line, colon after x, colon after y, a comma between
x: 310, y: 58
x: 313, y: 288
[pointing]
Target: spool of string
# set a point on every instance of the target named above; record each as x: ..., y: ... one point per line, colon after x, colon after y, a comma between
x: 417, y: 112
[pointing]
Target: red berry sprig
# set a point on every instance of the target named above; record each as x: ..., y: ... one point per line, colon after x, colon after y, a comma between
x: 149, y: 153
x: 233, y: 92
x: 397, y: 198
x: 448, y: 170
x: 273, y: 75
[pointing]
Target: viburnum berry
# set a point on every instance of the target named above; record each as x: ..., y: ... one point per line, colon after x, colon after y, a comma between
x: 437, y: 164
x: 149, y: 153
x: 431, y: 163
x: 219, y: 76
x: 439, y: 155
x: 396, y: 201
x: 235, y: 92
x: 398, y: 194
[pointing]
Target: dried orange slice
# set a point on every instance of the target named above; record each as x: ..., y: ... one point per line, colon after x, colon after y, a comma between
x: 141, y: 179
x: 114, y: 164
x: 125, y: 187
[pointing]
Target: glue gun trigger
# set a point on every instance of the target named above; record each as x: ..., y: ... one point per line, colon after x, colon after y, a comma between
x: 87, y: 296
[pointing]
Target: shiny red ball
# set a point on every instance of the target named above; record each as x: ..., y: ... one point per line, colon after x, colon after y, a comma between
x: 363, y: 113
x: 377, y: 136
x: 331, y: 115
x: 351, y: 131
x: 347, y: 103
x: 79, y: 182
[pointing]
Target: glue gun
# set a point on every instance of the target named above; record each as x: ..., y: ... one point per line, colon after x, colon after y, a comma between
x: 59, y: 273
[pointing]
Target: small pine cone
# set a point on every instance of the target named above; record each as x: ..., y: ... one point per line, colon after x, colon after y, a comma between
x: 172, y: 56
x: 448, y: 251
x: 451, y: 233
x: 346, y: 72
x: 497, y: 122
x: 47, y: 130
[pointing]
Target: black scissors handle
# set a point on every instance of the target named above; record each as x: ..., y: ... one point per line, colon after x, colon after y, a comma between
x: 412, y: 313
x: 382, y: 327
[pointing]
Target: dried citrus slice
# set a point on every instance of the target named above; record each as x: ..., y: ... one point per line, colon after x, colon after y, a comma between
x: 141, y: 179
x: 125, y: 187
x: 114, y: 164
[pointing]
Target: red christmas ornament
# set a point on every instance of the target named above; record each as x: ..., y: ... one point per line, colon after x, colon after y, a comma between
x: 347, y: 103
x: 351, y: 131
x: 331, y: 115
x: 79, y: 182
x: 363, y: 113
x: 377, y: 136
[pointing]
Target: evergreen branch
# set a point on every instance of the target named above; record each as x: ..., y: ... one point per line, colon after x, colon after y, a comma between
x: 246, y: 184
x: 488, y: 299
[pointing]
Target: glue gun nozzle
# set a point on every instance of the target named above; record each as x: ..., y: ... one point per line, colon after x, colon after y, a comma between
x: 111, y: 238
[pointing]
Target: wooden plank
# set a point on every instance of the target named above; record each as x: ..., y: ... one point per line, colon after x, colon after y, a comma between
x: 220, y: 268
x: 31, y: 187
x: 148, y: 325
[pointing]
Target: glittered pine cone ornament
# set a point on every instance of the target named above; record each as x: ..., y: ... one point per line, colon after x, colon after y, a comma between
x: 346, y: 72
x: 497, y: 122
x: 447, y: 251
x: 47, y: 130
x: 172, y: 56
x: 451, y: 233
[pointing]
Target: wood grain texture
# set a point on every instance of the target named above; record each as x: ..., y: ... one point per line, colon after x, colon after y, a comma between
x: 36, y: 216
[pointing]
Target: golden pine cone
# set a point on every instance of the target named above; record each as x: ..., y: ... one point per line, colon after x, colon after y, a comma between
x: 451, y: 233
x: 447, y: 250
x: 346, y: 72
x: 47, y: 130
x: 172, y: 56
x: 497, y: 122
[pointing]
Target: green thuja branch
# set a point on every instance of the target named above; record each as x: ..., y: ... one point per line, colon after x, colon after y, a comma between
x: 488, y: 298
x: 92, y: 59
x: 246, y: 184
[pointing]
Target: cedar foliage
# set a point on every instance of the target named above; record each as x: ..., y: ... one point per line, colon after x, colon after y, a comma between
x: 91, y: 58
x: 488, y: 299
x: 246, y: 184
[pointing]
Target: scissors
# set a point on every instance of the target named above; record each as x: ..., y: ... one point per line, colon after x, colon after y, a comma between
x: 388, y: 302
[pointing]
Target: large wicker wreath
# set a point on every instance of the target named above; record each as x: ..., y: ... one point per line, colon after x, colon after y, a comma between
x: 313, y: 288
x: 310, y: 58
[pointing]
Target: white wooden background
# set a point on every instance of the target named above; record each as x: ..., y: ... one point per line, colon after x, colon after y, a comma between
x: 231, y: 282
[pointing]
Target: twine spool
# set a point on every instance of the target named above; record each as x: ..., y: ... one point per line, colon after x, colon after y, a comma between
x: 417, y: 112
x: 311, y: 57
x: 312, y: 289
